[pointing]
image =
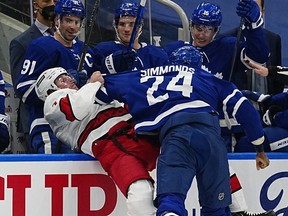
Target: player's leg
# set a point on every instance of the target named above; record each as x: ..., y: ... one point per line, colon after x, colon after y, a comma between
x: 213, y: 177
x: 186, y: 141
x: 129, y: 174
x: 147, y: 148
x: 140, y: 198
x: 238, y: 200
x: 175, y: 172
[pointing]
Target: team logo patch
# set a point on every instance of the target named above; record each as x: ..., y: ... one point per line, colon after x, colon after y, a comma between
x: 221, y: 196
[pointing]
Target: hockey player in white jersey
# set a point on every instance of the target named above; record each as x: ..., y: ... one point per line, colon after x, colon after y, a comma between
x: 103, y: 131
x: 115, y: 56
x: 181, y: 103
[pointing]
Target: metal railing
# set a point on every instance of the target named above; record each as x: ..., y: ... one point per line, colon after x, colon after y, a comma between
x: 12, y: 11
x: 183, y: 34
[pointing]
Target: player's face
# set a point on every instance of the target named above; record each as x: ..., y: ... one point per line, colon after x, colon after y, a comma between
x: 65, y: 81
x: 125, y: 27
x: 202, y: 35
x: 70, y: 27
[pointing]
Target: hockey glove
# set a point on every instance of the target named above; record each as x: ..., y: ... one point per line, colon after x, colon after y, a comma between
x: 80, y: 77
x: 4, y: 132
x: 260, y: 101
x: 268, y: 117
x: 249, y: 10
x: 120, y: 61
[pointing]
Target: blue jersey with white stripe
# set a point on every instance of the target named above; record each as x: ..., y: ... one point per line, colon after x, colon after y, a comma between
x: 155, y: 94
x: 44, y: 53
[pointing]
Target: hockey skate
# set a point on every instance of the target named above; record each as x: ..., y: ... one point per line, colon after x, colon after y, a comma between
x: 244, y: 213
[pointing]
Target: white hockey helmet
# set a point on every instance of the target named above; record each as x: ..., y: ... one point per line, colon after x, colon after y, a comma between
x: 46, y: 82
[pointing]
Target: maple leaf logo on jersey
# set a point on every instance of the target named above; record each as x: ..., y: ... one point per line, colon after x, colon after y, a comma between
x: 219, y: 75
x: 205, y: 68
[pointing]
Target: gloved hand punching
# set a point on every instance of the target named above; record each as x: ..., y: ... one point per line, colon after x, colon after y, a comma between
x: 80, y: 77
x: 249, y: 10
x: 260, y: 101
x: 268, y: 117
x: 4, y: 132
x: 119, y: 61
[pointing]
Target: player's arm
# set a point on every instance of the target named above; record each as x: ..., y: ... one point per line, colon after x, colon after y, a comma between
x: 255, y: 48
x: 235, y: 104
x: 35, y: 62
x: 278, y: 73
x: 80, y: 102
x: 89, y: 64
x: 250, y: 120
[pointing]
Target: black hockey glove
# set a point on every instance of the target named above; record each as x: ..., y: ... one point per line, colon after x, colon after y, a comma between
x: 80, y: 77
x: 268, y: 117
x: 4, y: 132
x: 119, y: 61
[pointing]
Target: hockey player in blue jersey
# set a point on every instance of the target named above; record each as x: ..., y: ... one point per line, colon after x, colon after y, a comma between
x: 181, y: 104
x: 218, y: 52
x: 4, y: 123
x: 114, y: 55
x: 64, y: 49
x: 275, y: 114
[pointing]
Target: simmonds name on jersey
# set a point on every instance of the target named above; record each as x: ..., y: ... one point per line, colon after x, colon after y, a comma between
x: 158, y: 71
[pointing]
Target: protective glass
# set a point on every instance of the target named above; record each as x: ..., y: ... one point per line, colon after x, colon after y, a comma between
x: 207, y: 30
x: 67, y: 21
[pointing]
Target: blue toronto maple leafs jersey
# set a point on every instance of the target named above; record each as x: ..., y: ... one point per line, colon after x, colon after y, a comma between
x: 218, y: 55
x: 44, y: 53
x: 155, y: 94
x: 147, y: 55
